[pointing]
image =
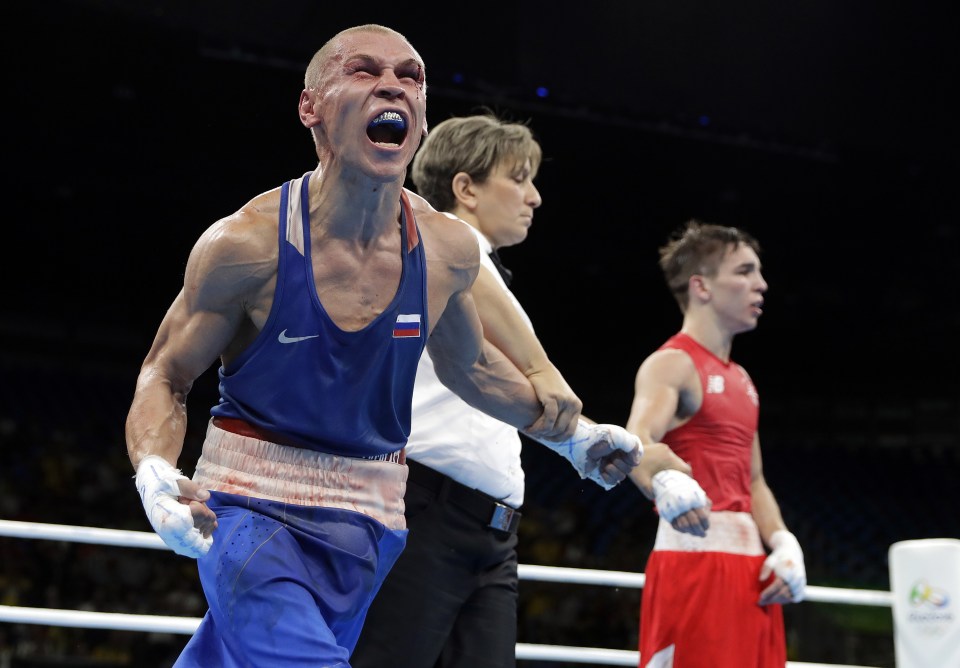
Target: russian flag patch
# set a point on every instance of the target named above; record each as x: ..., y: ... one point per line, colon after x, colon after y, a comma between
x: 407, y: 326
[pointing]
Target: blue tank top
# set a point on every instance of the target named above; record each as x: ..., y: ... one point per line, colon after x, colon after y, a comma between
x: 315, y: 385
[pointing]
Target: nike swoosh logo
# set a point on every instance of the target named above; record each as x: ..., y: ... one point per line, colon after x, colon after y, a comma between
x: 283, y: 338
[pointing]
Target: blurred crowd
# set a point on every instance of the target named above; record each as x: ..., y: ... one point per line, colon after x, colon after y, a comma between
x: 65, y: 463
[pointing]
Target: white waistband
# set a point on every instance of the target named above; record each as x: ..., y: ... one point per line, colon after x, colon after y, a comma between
x: 731, y: 532
x: 243, y: 465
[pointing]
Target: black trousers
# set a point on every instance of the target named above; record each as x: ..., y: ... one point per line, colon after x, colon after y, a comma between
x: 450, y: 601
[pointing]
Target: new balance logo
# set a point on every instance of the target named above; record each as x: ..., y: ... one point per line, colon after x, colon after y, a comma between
x: 283, y: 338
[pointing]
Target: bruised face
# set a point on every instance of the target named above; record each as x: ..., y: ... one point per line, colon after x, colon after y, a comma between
x: 369, y: 107
x: 736, y: 290
x: 505, y: 202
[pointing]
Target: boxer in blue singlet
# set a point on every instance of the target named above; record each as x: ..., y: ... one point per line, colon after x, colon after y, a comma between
x: 295, y: 509
x: 270, y: 516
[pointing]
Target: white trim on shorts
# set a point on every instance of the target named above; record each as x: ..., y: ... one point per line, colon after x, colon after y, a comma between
x: 247, y: 466
x: 730, y: 532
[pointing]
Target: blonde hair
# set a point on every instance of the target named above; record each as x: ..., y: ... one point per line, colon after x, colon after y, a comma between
x: 475, y: 145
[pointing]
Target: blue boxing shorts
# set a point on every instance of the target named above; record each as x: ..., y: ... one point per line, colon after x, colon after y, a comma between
x: 289, y: 584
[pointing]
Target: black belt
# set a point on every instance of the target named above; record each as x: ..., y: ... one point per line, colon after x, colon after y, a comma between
x: 492, y: 513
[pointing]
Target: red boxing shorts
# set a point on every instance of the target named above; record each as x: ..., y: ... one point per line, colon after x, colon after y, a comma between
x: 699, y: 602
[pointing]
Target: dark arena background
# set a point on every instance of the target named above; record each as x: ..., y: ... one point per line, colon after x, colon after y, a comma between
x: 826, y: 129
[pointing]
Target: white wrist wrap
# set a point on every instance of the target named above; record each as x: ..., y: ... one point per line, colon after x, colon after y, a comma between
x: 576, y: 448
x: 675, y: 493
x: 172, y: 520
x: 786, y: 560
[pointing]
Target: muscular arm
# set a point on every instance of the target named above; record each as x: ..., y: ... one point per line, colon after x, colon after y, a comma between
x: 604, y: 453
x: 661, y: 382
x: 458, y: 341
x: 476, y: 370
x: 505, y: 328
x: 201, y: 324
x: 225, y: 267
x: 656, y: 404
x: 157, y: 420
x: 785, y: 560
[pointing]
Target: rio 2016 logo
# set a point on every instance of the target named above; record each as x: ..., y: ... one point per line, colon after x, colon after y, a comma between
x: 930, y: 613
x: 922, y: 594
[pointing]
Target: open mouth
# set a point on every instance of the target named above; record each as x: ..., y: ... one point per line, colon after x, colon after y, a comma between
x: 387, y: 129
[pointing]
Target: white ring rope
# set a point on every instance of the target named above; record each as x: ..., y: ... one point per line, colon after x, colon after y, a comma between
x: 636, y: 580
x: 83, y: 619
x: 187, y: 625
x: 91, y: 535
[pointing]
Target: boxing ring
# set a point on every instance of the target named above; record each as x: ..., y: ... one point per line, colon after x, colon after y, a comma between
x: 187, y: 625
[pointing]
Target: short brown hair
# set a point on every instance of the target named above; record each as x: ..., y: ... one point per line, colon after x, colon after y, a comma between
x: 698, y: 248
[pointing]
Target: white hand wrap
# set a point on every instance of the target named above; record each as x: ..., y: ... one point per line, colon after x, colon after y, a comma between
x: 575, y: 449
x: 172, y: 520
x: 786, y: 560
x: 675, y: 493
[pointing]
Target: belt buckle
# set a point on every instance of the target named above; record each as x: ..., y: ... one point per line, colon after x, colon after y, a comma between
x: 502, y: 518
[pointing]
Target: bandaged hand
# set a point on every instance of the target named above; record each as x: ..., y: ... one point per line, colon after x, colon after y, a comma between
x: 676, y: 493
x: 786, y: 561
x: 158, y: 484
x: 604, y: 453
